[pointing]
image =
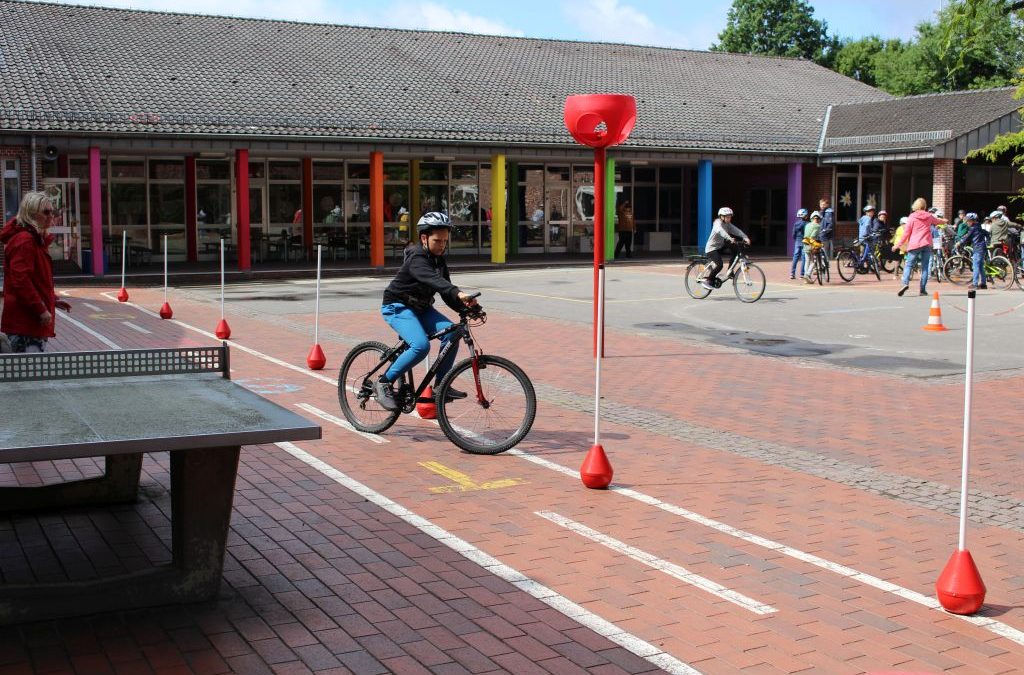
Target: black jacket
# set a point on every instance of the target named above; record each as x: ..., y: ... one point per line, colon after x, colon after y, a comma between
x: 421, y: 276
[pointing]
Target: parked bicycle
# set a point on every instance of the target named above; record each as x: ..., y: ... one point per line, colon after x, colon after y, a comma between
x: 848, y: 262
x: 497, y: 414
x: 999, y: 271
x: 748, y: 281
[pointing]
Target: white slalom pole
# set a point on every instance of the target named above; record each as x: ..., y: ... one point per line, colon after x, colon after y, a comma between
x: 222, y: 278
x: 316, y: 315
x: 165, y: 268
x: 600, y: 352
x: 124, y: 253
x: 968, y: 387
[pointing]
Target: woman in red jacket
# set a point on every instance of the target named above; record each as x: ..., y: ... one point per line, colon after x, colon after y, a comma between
x: 29, y: 300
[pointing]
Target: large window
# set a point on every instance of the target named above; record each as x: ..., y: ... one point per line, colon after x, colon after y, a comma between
x: 167, y: 204
x: 328, y: 200
x: 213, y: 203
x: 531, y: 206
x: 855, y: 188
x: 465, y: 206
x: 11, y: 188
x: 128, y: 212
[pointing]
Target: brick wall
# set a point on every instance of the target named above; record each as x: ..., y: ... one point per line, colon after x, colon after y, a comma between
x: 817, y: 183
x: 942, y: 185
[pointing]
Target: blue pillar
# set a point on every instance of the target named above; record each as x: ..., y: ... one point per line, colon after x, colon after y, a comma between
x: 794, y: 199
x: 704, y: 205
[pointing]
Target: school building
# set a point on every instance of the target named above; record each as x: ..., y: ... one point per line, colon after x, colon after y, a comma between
x: 276, y: 136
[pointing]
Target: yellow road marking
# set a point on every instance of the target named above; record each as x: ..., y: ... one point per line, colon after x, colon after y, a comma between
x: 462, y: 482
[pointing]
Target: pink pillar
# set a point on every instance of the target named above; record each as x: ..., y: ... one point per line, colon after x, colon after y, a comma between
x: 96, y: 211
x: 242, y: 206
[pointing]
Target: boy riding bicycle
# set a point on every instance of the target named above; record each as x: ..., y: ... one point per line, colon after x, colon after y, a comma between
x: 408, y: 305
x: 723, y: 235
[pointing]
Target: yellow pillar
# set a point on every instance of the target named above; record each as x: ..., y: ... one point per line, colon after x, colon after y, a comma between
x: 498, y: 209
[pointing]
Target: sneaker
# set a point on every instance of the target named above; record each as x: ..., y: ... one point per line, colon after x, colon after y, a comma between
x: 384, y: 395
x: 983, y: 287
x: 792, y: 276
x: 972, y: 287
x: 903, y: 290
x: 923, y: 293
x: 707, y: 284
x: 454, y: 394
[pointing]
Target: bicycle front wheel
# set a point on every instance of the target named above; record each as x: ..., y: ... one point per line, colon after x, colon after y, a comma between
x: 749, y: 283
x: 498, y: 410
x: 693, y: 288
x: 1000, y: 271
x: 846, y: 265
x: 958, y: 270
x: 355, y: 389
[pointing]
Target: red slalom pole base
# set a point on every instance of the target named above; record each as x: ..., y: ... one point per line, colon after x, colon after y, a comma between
x: 425, y: 406
x: 122, y: 295
x: 165, y: 311
x: 316, y: 359
x: 960, y: 589
x: 596, y: 471
x: 223, y: 331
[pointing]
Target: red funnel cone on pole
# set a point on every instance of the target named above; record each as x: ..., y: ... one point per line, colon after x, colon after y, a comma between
x: 122, y: 295
x: 223, y: 331
x: 596, y: 470
x: 165, y: 311
x: 425, y: 406
x: 316, y: 359
x: 960, y: 588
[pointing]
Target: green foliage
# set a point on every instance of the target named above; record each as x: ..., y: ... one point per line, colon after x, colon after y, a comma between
x: 1007, y: 145
x: 776, y: 28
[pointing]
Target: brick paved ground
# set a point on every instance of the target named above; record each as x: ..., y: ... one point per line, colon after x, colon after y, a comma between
x: 318, y: 578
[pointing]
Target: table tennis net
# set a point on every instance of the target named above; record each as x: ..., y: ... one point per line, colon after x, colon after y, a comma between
x: 114, y: 363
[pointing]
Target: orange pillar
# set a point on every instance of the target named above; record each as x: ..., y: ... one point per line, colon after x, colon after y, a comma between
x: 242, y: 207
x: 377, y: 209
x: 307, y: 206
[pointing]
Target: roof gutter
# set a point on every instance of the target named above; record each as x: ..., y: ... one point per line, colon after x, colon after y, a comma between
x: 824, y: 128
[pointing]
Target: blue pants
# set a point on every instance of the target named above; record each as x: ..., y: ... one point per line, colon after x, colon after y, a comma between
x: 868, y: 251
x: 924, y: 254
x: 978, y: 261
x: 798, y: 254
x: 414, y: 327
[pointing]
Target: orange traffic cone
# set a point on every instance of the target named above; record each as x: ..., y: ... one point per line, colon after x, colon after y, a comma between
x: 425, y: 405
x: 935, y: 315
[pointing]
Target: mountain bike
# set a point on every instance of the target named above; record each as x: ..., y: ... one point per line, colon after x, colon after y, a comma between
x: 848, y: 262
x: 495, y: 416
x: 999, y: 271
x: 748, y: 281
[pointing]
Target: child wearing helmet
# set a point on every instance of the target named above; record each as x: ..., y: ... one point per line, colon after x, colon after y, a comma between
x: 798, y: 242
x: 408, y: 305
x: 723, y: 235
x: 811, y: 240
x: 978, y: 239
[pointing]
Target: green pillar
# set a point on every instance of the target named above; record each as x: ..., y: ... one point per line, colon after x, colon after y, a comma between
x: 498, y: 208
x: 609, y: 209
x: 512, y: 171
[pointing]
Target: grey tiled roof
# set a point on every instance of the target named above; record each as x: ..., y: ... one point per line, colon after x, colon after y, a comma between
x: 914, y: 122
x: 71, y: 68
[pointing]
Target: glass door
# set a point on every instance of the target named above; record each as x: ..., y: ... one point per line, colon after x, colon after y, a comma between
x: 559, y: 209
x: 63, y: 193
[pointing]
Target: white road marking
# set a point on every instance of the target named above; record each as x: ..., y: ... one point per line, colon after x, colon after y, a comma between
x: 997, y: 627
x: 858, y: 309
x: 333, y: 419
x: 102, y: 338
x: 92, y: 307
x: 644, y: 650
x: 140, y: 329
x: 665, y: 566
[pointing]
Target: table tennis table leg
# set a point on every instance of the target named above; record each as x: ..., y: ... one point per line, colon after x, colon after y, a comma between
x: 119, y: 485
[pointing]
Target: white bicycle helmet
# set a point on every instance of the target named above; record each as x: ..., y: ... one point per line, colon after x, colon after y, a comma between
x: 801, y: 213
x: 971, y: 216
x: 903, y: 220
x: 433, y: 220
x: 996, y: 214
x: 869, y: 207
x: 816, y: 214
x: 724, y: 211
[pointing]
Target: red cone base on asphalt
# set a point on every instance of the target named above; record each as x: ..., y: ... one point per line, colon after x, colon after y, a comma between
x: 426, y: 407
x: 960, y: 588
x: 316, y: 359
x: 165, y: 311
x: 596, y: 471
x: 223, y: 331
x: 122, y: 295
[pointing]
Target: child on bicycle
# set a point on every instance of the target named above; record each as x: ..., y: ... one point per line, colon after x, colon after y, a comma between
x: 798, y: 243
x: 723, y: 235
x: 812, y: 242
x: 978, y: 239
x: 408, y: 305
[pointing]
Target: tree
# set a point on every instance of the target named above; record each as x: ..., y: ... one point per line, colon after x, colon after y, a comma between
x: 856, y: 58
x: 777, y: 28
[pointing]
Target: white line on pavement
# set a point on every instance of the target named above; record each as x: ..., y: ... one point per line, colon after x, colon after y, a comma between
x: 92, y: 307
x: 609, y: 630
x: 997, y: 627
x: 110, y: 343
x: 665, y: 566
x: 140, y: 329
x: 341, y: 423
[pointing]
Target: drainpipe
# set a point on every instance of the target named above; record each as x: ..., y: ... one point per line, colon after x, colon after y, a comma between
x: 34, y: 185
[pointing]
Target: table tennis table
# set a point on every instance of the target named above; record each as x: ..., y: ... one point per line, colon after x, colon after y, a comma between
x: 119, y: 405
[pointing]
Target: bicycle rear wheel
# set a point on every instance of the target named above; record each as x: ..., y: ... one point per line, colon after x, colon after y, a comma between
x: 958, y: 270
x: 1000, y: 271
x: 493, y: 417
x: 749, y: 283
x: 846, y: 265
x: 690, y: 280
x: 355, y: 389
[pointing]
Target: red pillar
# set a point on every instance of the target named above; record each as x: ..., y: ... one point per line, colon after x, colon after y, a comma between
x: 307, y: 206
x: 242, y: 206
x: 191, y: 246
x: 96, y: 211
x: 377, y: 209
